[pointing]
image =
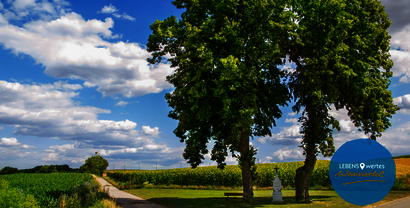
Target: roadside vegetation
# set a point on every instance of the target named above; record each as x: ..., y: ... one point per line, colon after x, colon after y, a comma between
x: 55, y: 186
x: 55, y: 190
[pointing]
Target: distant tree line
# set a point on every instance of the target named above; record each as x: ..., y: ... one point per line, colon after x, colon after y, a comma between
x: 40, y: 169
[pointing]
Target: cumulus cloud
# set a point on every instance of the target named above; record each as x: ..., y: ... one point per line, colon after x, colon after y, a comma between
x: 286, y: 154
x: 400, y: 54
x: 291, y: 120
x: 20, y: 9
x: 13, y: 143
x: 151, y: 131
x: 44, y: 111
x: 121, y: 103
x: 51, y: 157
x: 403, y: 102
x: 114, y: 11
x: 290, y: 136
x: 9, y: 142
x: 128, y: 17
x: 109, y: 9
x: 287, y: 136
x: 48, y: 111
x: 396, y: 139
x: 398, y: 14
x: 71, y: 47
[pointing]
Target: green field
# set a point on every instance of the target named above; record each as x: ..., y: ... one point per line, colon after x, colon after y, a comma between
x: 189, y: 198
x: 231, y: 176
x: 47, y: 189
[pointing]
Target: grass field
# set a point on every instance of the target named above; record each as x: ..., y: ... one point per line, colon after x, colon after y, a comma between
x: 189, y: 198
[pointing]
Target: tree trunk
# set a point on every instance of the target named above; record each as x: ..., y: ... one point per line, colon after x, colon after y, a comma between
x: 246, y: 167
x: 303, y: 174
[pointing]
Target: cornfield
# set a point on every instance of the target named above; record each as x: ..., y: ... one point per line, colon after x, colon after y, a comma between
x: 231, y: 176
x: 46, y: 188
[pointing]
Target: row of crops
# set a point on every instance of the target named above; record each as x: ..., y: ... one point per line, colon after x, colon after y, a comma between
x: 231, y: 176
x: 53, y: 190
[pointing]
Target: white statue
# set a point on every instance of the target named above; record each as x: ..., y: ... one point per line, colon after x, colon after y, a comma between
x: 277, y: 189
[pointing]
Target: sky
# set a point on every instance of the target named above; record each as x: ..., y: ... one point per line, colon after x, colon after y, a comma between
x: 74, y: 80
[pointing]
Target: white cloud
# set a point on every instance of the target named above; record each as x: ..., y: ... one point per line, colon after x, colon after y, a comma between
x: 291, y: 120
x: 287, y: 136
x: 401, y: 58
x: 62, y: 148
x: 13, y: 143
x: 70, y: 47
x: 21, y: 4
x: 48, y: 111
x: 288, y: 154
x: 403, y: 102
x: 113, y: 10
x: 9, y: 141
x: 128, y: 17
x: 151, y: 131
x: 121, y: 103
x: 27, y: 9
x: 51, y: 157
x: 109, y: 9
x: 3, y: 20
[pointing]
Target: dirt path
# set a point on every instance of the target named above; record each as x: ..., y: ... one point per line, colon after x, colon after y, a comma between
x: 126, y: 200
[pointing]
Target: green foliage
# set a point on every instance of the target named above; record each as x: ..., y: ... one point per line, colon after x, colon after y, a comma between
x: 401, y: 156
x: 39, y: 169
x: 95, y: 165
x: 13, y: 197
x: 8, y: 170
x: 230, y: 176
x: 48, y: 188
x: 402, y: 183
x: 227, y: 80
x: 341, y: 52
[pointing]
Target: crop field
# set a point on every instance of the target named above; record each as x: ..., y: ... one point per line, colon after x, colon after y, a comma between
x: 46, y: 188
x: 402, y: 166
x: 231, y: 176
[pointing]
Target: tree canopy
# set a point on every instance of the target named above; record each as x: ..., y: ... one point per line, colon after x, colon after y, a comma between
x: 95, y: 164
x: 229, y: 83
x: 341, y: 52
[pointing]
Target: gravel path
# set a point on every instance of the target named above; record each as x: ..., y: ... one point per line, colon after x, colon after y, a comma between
x: 127, y: 200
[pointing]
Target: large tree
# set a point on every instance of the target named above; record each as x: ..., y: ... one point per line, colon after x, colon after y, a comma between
x: 95, y: 164
x: 228, y: 86
x: 341, y: 52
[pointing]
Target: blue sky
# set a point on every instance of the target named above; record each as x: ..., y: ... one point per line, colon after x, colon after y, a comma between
x: 74, y: 80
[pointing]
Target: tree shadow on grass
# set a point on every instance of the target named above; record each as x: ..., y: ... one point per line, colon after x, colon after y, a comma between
x: 219, y: 202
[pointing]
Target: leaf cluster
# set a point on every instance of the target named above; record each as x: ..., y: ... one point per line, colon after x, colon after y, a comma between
x: 95, y: 164
x: 229, y: 77
x: 341, y: 52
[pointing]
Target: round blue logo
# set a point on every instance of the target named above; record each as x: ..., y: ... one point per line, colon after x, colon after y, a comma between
x: 362, y: 171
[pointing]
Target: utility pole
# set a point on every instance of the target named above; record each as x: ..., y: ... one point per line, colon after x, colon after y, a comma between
x: 113, y: 167
x: 140, y: 166
x: 124, y: 166
x: 156, y: 166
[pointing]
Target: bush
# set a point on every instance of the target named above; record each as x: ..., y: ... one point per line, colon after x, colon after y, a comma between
x: 12, y: 197
x: 8, y: 170
x: 95, y: 165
